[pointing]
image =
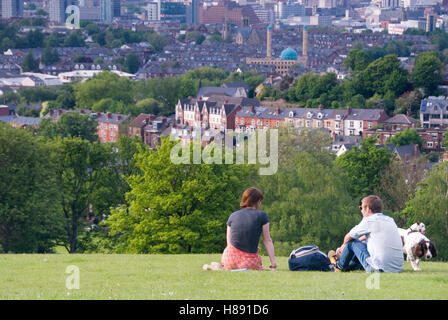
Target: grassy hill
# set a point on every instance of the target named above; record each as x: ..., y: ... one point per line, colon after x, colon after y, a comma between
x: 181, y: 277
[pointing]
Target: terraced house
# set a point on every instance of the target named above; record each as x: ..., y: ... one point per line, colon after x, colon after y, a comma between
x: 216, y: 112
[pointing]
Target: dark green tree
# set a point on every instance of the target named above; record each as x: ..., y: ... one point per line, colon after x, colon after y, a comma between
x: 88, y: 181
x: 131, y: 63
x: 427, y: 72
x: 29, y: 210
x: 72, y: 124
x: 406, y: 137
x: 363, y: 166
x: 30, y: 64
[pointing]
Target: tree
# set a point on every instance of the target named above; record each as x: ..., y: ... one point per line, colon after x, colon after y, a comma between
x: 363, y: 166
x: 148, y: 105
x: 88, y: 182
x: 131, y: 63
x: 75, y: 39
x: 187, y: 87
x: 70, y: 124
x: 430, y: 205
x: 427, y: 72
x: 406, y: 137
x: 357, y: 60
x: 102, y: 86
x: 408, y: 102
x: 382, y: 75
x: 29, y: 63
x: 177, y: 208
x: 49, y: 56
x: 29, y: 219
x: 195, y: 36
x: 398, y: 184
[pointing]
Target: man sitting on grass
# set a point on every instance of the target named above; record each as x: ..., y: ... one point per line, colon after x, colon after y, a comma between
x: 373, y: 245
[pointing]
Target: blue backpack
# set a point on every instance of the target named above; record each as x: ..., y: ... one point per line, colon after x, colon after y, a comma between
x: 309, y: 258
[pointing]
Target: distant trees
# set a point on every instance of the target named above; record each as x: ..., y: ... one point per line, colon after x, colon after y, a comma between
x: 132, y: 63
x: 427, y: 72
x: 30, y: 64
x: 70, y: 124
x: 49, y: 56
x: 357, y: 60
x: 406, y: 137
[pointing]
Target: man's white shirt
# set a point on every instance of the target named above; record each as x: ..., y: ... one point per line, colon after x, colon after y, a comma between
x: 383, y: 242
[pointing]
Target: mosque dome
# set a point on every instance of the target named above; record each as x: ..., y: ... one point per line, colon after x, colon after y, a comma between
x: 289, y: 54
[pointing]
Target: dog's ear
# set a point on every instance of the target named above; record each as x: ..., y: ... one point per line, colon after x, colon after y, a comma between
x: 418, y: 222
x: 433, y: 249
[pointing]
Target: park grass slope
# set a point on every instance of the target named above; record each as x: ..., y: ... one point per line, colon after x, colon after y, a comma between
x: 180, y: 277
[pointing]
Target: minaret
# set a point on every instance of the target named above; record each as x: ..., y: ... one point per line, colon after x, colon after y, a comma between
x: 269, y: 43
x: 305, y: 44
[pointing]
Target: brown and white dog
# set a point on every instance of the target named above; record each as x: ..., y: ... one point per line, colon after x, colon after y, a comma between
x: 416, y: 244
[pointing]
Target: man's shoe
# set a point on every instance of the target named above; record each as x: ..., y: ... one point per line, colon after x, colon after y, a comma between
x: 334, y: 260
x: 333, y: 257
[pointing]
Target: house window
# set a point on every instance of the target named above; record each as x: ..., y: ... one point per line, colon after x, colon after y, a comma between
x: 352, y: 124
x: 319, y: 124
x: 369, y: 124
x: 253, y: 122
x: 242, y: 121
x: 338, y: 117
x: 259, y: 122
x: 429, y: 144
x: 291, y: 114
x: 360, y: 124
x: 308, y: 123
x: 277, y: 123
x: 309, y: 115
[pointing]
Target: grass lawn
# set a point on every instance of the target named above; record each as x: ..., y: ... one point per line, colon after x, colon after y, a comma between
x: 181, y: 277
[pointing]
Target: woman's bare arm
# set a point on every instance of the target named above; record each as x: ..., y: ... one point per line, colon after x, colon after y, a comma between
x: 269, y: 245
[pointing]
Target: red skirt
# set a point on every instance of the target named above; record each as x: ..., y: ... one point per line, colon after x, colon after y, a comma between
x: 233, y: 258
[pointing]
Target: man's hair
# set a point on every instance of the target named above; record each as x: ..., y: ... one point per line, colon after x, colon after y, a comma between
x: 374, y: 203
x: 251, y: 197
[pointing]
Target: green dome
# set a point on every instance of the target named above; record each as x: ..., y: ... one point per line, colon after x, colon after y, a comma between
x: 289, y: 54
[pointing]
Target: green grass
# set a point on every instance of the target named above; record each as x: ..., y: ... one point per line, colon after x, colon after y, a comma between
x: 181, y: 277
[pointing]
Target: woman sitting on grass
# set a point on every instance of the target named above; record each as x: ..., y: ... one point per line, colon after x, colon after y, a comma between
x: 244, y: 228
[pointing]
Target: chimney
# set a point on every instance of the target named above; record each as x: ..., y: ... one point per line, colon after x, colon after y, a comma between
x: 108, y: 115
x: 119, y: 116
x: 416, y: 150
x: 59, y: 112
x: 348, y: 110
x: 269, y: 43
x: 320, y: 108
x: 251, y: 109
x: 277, y: 111
x: 305, y: 44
